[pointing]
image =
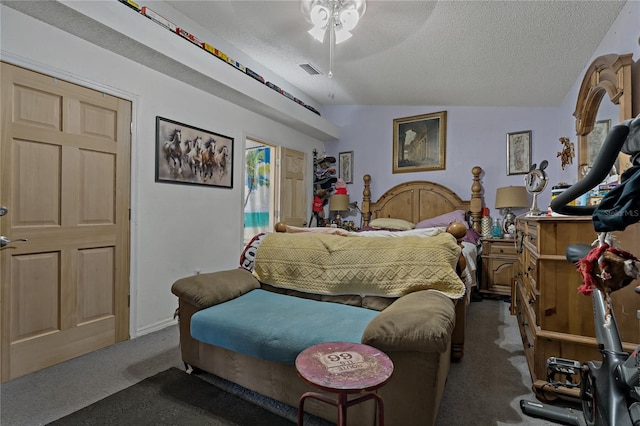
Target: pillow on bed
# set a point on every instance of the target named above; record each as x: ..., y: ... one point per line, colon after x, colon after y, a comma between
x: 391, y: 223
x: 423, y: 232
x: 321, y: 230
x: 444, y: 220
x: 248, y: 255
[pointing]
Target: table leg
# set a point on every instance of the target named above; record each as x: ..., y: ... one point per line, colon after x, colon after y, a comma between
x: 380, y: 409
x: 342, y: 409
x: 313, y: 395
x: 301, y: 409
x: 342, y: 403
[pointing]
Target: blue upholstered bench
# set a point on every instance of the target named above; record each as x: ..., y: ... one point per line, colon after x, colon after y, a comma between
x: 277, y: 327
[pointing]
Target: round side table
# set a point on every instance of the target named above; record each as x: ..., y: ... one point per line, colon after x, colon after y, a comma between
x: 344, y: 368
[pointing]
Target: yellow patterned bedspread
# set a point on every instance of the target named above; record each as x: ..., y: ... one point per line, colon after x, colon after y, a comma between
x: 381, y: 266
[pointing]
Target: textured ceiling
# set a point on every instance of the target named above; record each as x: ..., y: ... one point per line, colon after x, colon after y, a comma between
x: 449, y: 53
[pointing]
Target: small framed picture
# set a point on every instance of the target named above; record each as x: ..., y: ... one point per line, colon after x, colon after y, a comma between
x: 345, y: 166
x: 518, y: 152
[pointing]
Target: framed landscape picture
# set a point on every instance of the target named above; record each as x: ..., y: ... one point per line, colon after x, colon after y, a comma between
x: 189, y: 155
x: 419, y: 143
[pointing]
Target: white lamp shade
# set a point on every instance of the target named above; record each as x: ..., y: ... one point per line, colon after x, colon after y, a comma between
x: 317, y: 33
x: 319, y: 16
x: 349, y: 19
x: 342, y: 35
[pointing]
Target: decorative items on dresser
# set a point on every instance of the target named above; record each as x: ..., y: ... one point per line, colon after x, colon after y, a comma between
x: 555, y: 320
x: 499, y: 265
x: 536, y: 181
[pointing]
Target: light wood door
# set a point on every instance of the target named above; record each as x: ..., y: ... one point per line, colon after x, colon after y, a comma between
x: 65, y: 178
x: 293, y: 187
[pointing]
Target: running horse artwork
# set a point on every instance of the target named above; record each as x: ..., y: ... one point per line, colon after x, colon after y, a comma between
x: 172, y: 152
x: 182, y: 156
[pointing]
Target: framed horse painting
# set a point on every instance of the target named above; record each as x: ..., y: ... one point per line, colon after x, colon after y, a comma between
x: 193, y: 156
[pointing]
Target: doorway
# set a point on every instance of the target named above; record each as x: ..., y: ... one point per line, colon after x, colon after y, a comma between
x: 275, y: 187
x: 259, y: 189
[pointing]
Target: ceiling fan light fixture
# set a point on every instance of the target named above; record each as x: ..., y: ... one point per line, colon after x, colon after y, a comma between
x: 338, y: 17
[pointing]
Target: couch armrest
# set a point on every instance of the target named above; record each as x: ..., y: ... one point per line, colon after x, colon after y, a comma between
x: 206, y: 290
x: 422, y: 321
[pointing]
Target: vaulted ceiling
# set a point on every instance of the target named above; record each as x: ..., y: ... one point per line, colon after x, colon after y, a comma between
x: 449, y: 53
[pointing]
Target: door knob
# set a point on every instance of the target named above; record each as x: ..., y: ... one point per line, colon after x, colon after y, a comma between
x: 4, y: 241
x: 3, y: 210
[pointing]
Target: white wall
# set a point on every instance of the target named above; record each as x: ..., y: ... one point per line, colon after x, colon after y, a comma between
x: 174, y: 228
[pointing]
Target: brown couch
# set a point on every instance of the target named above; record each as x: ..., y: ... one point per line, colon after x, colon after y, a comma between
x: 415, y: 330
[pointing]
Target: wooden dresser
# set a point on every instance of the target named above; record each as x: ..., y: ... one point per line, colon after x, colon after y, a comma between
x: 554, y: 319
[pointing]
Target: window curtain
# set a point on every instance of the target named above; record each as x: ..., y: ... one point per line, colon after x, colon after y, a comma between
x: 257, y: 204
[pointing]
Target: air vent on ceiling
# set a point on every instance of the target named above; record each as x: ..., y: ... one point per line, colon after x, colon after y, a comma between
x: 310, y: 69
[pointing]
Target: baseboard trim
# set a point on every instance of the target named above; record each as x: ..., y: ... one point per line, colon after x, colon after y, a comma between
x: 155, y: 327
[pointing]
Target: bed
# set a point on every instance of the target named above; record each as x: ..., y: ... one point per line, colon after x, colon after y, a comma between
x: 419, y: 201
x: 428, y: 205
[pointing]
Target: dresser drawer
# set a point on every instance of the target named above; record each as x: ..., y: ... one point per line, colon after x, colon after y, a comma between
x: 530, y: 269
x: 506, y: 248
x: 526, y: 323
x: 532, y: 232
x: 499, y: 247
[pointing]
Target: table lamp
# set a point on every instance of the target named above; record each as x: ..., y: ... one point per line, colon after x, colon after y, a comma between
x: 510, y: 197
x: 338, y: 203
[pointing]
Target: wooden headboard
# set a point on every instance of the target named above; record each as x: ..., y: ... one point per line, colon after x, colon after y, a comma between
x: 418, y: 200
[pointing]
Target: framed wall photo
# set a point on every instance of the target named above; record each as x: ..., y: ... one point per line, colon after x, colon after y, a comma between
x: 345, y: 166
x: 419, y: 143
x: 518, y: 152
x: 193, y: 156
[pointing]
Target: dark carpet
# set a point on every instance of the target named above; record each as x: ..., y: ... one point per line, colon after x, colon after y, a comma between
x: 173, y: 397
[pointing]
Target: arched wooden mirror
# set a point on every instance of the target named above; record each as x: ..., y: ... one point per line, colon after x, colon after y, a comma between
x: 611, y: 75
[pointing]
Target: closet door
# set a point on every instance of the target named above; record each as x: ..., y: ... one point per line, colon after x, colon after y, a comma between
x: 65, y: 179
x: 293, y: 187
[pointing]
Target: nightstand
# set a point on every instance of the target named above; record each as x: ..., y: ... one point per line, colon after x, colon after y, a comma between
x: 499, y: 266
